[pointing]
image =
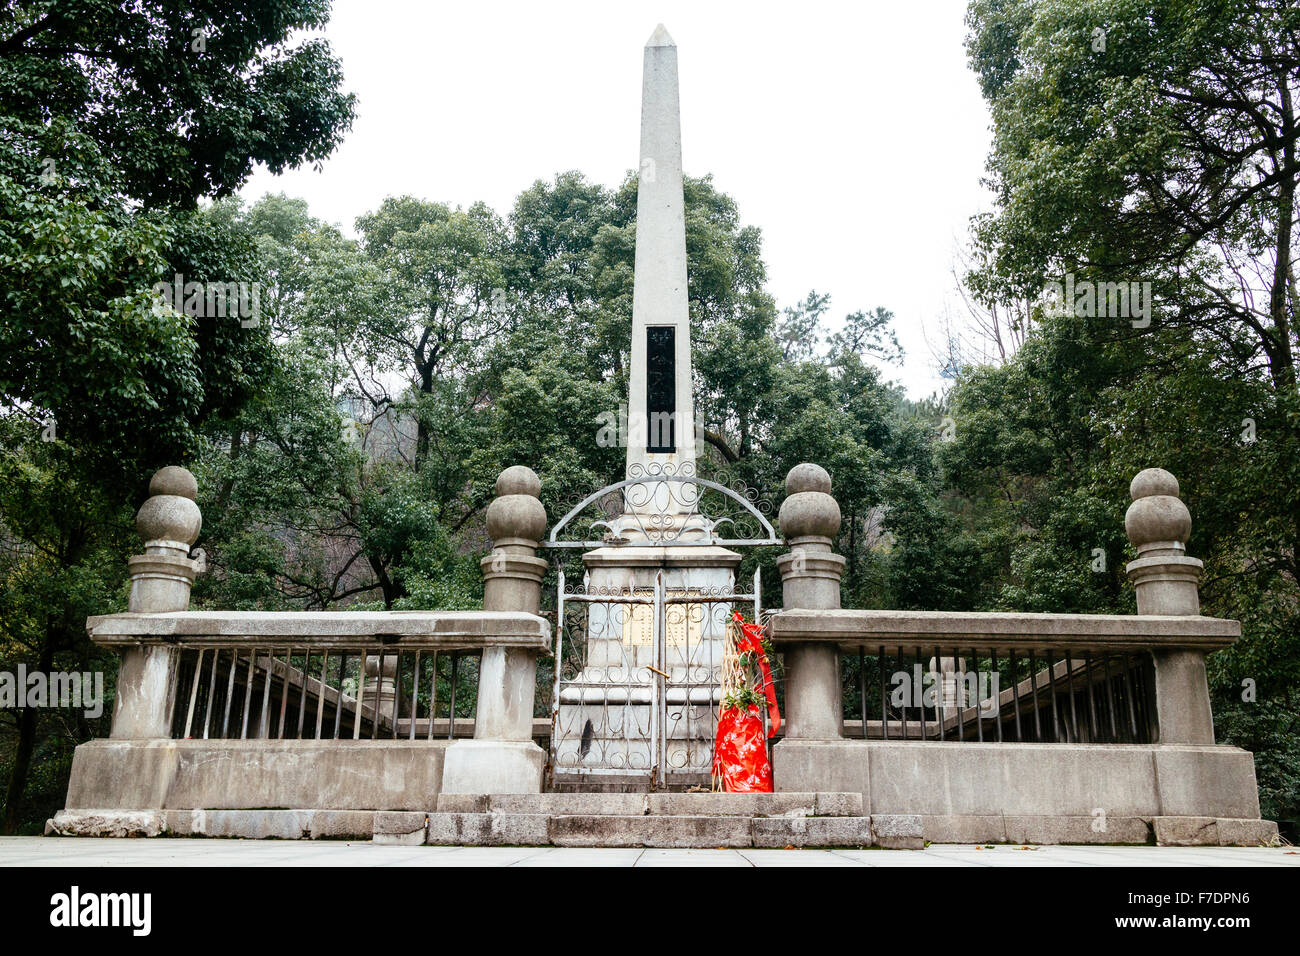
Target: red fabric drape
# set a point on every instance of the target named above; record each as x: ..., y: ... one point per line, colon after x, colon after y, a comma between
x: 740, y: 753
x: 752, y: 640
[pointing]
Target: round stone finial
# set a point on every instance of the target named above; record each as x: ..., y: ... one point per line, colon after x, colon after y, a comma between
x: 516, y: 512
x: 170, y: 514
x: 1153, y: 481
x: 174, y: 480
x: 807, y: 477
x: 519, y: 480
x: 1157, y: 520
x: 809, y: 511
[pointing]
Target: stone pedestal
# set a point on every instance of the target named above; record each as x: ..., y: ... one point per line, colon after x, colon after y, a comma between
x: 161, y: 578
x: 810, y: 578
x: 1166, y: 581
x: 493, y: 766
x: 607, y: 711
x: 502, y: 757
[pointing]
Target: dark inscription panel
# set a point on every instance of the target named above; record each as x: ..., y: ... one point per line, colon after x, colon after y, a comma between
x: 661, y: 388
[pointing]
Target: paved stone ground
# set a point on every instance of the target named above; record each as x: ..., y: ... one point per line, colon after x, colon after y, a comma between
x: 45, y: 851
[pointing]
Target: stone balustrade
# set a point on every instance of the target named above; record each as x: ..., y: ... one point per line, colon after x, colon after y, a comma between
x: 298, y: 661
x: 221, y: 698
x: 375, y: 631
x: 1102, y: 731
x: 1005, y: 632
x: 812, y: 629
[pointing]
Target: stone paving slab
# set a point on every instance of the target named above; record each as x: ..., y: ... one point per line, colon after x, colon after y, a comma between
x: 778, y: 833
x: 51, y: 851
x: 652, y: 831
x: 785, y: 804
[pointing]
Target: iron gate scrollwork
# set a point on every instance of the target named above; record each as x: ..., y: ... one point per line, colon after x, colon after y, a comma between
x: 637, y: 680
x: 670, y: 507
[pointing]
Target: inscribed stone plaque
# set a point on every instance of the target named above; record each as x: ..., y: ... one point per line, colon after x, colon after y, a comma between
x: 685, y: 625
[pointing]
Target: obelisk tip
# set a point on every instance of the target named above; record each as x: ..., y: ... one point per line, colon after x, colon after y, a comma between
x: 660, y: 37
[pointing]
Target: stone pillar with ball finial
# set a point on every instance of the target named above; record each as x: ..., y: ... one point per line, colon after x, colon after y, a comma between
x: 1166, y: 581
x: 502, y: 757
x: 161, y: 578
x: 810, y: 578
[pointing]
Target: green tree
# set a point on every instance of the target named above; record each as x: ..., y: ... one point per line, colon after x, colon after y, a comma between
x: 112, y: 127
x: 184, y: 96
x: 1146, y: 143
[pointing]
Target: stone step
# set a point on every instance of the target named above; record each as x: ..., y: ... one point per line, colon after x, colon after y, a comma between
x: 690, y: 820
x: 658, y: 804
x: 635, y: 782
x: 702, y: 832
x: 657, y: 830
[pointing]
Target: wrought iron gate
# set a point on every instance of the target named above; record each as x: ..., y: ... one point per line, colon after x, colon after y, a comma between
x: 638, y: 656
x: 637, y: 681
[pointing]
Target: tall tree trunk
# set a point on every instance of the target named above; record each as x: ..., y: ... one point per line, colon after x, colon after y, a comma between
x: 386, y: 584
x: 26, y: 746
x: 228, y: 486
x: 1279, y: 301
x: 421, y: 423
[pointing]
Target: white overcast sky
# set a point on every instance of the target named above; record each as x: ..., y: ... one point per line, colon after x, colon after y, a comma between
x: 852, y: 134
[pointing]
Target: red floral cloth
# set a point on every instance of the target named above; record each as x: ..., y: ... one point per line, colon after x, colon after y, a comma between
x: 740, y: 752
x: 752, y: 640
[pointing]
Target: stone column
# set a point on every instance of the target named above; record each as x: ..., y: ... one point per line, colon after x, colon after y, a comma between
x: 810, y: 578
x: 1166, y: 580
x: 502, y: 757
x: 161, y: 578
x: 381, y: 683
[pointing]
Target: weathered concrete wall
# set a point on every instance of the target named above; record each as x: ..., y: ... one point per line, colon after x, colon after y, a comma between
x: 1041, y: 793
x: 246, y: 774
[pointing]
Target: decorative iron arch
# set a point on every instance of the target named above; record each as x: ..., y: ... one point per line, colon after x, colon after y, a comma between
x: 665, y: 528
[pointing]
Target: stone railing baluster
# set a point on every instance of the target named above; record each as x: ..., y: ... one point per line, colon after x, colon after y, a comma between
x: 502, y: 757
x: 161, y: 578
x: 810, y: 579
x: 1166, y: 581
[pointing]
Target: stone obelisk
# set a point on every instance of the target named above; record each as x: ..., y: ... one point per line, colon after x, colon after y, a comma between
x: 648, y: 687
x: 661, y: 406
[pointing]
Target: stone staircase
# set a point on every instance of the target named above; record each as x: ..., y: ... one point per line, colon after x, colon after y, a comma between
x: 687, y: 820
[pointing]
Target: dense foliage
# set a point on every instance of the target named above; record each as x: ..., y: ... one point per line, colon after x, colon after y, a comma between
x: 346, y: 445
x: 115, y: 120
x: 1146, y: 142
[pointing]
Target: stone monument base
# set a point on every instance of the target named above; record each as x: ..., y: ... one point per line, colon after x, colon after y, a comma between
x: 169, y: 774
x: 396, y: 791
x: 607, y: 719
x: 493, y: 766
x: 1041, y: 793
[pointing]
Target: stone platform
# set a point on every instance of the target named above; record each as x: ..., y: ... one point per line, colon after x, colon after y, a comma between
x: 958, y: 793
x: 656, y: 820
x: 686, y: 820
x: 37, y: 852
x: 1042, y: 793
